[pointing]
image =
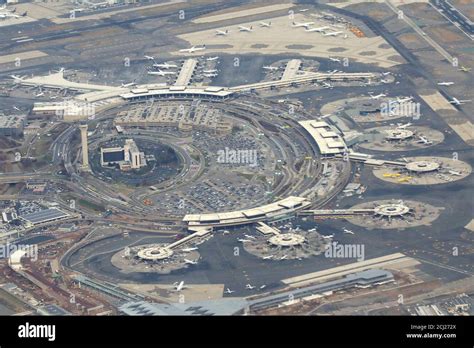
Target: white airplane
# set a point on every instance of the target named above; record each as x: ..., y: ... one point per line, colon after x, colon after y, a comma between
x: 222, y: 33
x: 347, y: 231
x: 458, y: 102
x: 445, y: 83
x: 313, y: 229
x: 386, y: 73
x: 228, y: 291
x: 335, y: 59
x: 210, y: 59
x: 243, y: 28
x: 299, y: 24
x: 265, y: 24
x: 403, y: 126
x: 273, y: 68
x: 332, y: 33
x: 165, y: 66
x: 377, y: 96
x: 9, y: 14
x: 161, y: 73
x: 283, y: 257
x: 193, y: 49
x: 209, y: 71
x: 268, y: 257
x: 179, y: 286
x: 128, y: 84
x: 249, y: 287
x: 403, y: 100
x: 384, y: 81
x: 453, y: 172
x: 17, y: 78
x: 187, y: 250
x: 317, y: 30
x: 328, y: 236
x: 327, y: 85
x: 40, y: 94
x: 210, y: 75
x: 263, y: 287
x: 149, y: 57
x: 248, y: 236
x: 304, y: 10
x: 424, y: 140
x: 243, y: 240
x: 190, y: 262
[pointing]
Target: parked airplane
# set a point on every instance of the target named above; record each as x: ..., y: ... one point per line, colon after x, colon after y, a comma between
x: 334, y: 59
x: 377, y: 96
x: 299, y: 24
x: 249, y: 287
x: 210, y: 59
x: 404, y: 100
x: 10, y: 14
x: 243, y: 240
x: 128, y: 84
x: 222, y: 33
x: 149, y: 57
x: 458, y: 102
x: 317, y: 30
x: 386, y: 73
x: 403, y: 126
x: 17, y: 78
x: 243, y: 28
x: 268, y: 257
x: 165, y: 66
x: 270, y: 68
x: 424, y: 140
x: 263, y: 287
x: 179, y: 286
x: 283, y: 257
x: 210, y: 75
x: 445, y: 83
x: 347, y: 231
x: 187, y: 250
x: 266, y: 25
x: 328, y: 236
x: 40, y: 94
x: 464, y: 69
x: 332, y: 33
x: 161, y: 73
x: 453, y: 172
x: 190, y: 262
x: 327, y: 85
x: 210, y: 71
x: 193, y: 49
x: 248, y: 236
x: 228, y: 291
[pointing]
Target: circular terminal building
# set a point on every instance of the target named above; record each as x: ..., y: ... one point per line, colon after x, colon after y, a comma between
x: 388, y: 214
x: 398, y: 134
x: 424, y: 171
x: 286, y: 240
x: 154, y: 253
x: 391, y: 210
x: 422, y: 166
